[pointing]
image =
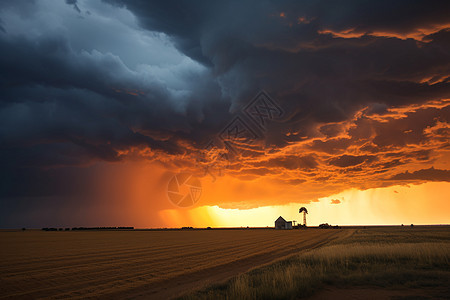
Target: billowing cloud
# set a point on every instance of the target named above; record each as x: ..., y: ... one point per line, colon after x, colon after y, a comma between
x: 85, y: 85
x: 430, y: 174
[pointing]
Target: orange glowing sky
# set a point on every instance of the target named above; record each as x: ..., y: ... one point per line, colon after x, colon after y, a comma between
x: 338, y: 176
x: 106, y: 105
x: 145, y: 194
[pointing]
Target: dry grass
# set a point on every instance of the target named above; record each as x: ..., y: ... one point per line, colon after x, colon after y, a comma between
x: 407, y: 234
x: 382, y: 257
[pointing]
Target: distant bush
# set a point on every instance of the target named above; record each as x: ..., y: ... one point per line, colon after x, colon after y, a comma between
x: 327, y: 226
x: 50, y: 229
x: 324, y: 226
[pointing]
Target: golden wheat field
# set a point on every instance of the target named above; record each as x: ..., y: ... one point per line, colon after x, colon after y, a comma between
x: 372, y: 263
x: 139, y: 264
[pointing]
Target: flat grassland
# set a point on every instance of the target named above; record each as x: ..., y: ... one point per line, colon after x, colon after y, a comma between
x: 140, y: 264
x: 373, y: 263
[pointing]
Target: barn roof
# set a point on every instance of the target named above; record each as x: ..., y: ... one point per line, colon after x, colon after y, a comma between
x: 280, y: 218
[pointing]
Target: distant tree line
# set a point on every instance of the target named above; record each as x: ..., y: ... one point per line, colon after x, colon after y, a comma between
x: 86, y: 228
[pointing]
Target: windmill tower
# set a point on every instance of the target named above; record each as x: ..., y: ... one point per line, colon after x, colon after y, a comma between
x: 305, y: 211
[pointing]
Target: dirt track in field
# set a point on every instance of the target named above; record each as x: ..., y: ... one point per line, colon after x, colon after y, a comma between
x: 140, y: 264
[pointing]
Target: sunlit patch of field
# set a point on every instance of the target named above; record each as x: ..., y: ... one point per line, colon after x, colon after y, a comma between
x: 397, y: 258
x: 146, y: 264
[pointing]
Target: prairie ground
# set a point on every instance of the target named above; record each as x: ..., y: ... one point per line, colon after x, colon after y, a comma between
x: 373, y: 263
x: 140, y: 264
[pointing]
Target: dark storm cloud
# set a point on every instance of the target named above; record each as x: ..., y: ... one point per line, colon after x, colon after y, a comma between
x: 74, y: 4
x: 90, y: 102
x: 351, y: 160
x: 293, y: 162
x: 66, y: 105
x: 316, y: 77
x: 247, y: 46
x: 430, y: 174
x: 1, y: 26
x: 79, y: 88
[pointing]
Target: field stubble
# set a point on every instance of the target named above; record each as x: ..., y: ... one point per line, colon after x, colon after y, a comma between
x: 138, y: 264
x: 379, y: 258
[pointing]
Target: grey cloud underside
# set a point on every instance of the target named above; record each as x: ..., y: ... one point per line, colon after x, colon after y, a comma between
x: 71, y: 94
x: 431, y: 174
x: 244, y: 46
x: 316, y: 77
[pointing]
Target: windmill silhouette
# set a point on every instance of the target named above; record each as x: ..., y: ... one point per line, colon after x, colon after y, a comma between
x: 305, y: 211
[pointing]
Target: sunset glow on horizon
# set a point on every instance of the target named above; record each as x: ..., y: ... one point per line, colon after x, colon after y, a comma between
x: 136, y: 113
